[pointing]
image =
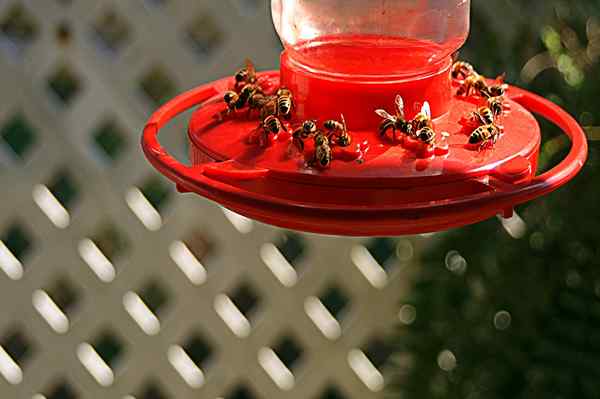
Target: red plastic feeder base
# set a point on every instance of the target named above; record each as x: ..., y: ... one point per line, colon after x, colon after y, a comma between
x: 375, y: 187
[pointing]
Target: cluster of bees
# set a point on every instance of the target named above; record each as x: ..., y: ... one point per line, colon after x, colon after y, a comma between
x: 334, y: 133
x: 275, y: 108
x: 486, y: 118
x: 419, y: 128
x: 248, y: 93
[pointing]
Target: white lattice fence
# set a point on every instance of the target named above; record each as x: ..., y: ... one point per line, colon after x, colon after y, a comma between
x: 113, y: 286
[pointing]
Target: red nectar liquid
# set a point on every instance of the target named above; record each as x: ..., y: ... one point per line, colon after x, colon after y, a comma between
x: 355, y: 75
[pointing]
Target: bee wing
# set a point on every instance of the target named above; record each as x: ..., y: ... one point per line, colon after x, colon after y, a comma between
x: 426, y: 109
x: 344, y: 123
x: 250, y: 67
x: 384, y: 114
x: 400, y: 105
x: 501, y: 78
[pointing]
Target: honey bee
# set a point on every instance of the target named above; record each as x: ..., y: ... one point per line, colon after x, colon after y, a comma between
x: 339, y: 130
x: 246, y: 93
x: 257, y: 101
x: 284, y: 91
x: 284, y: 103
x: 496, y: 105
x: 231, y: 98
x: 270, y: 125
x: 497, y: 90
x: 269, y: 107
x: 485, y: 135
x: 490, y: 114
x: 307, y: 129
x: 397, y: 122
x: 422, y: 119
x: 323, y: 154
x: 483, y: 116
x: 246, y: 75
x: 426, y: 135
x: 473, y: 84
x: 462, y: 69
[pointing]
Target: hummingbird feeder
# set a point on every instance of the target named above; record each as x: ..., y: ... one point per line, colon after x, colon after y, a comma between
x: 369, y: 128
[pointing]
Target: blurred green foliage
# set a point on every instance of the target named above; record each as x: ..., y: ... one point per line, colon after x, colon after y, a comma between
x: 518, y: 316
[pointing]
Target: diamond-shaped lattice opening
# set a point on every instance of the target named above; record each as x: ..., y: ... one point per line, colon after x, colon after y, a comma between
x: 109, y: 347
x: 157, y: 192
x: 241, y: 392
x: 18, y: 135
x: 332, y: 393
x: 110, y: 140
x: 200, y: 244
x: 288, y: 351
x: 205, y: 34
x: 18, y: 241
x: 64, y: 295
x: 190, y: 255
x: 292, y: 246
x: 199, y: 350
x: 154, y: 296
x: 17, y: 346
x: 382, y: 250
x: 378, y: 352
x: 63, y: 33
x: 101, y: 251
x: 65, y: 84
x: 152, y: 390
x: 64, y: 189
x: 158, y: 86
x: 335, y: 300
x: 246, y: 300
x: 112, y: 30
x: 111, y: 242
x: 62, y: 391
x: 18, y: 26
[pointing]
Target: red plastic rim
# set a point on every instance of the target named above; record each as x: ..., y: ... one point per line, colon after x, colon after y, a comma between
x: 423, y: 215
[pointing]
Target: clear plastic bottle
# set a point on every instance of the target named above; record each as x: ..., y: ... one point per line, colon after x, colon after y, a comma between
x: 371, y: 38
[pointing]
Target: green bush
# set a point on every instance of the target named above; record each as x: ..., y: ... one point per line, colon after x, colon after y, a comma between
x: 503, y: 317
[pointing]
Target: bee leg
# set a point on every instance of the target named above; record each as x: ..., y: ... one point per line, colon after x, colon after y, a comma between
x: 263, y: 139
x: 221, y: 116
x: 383, y: 128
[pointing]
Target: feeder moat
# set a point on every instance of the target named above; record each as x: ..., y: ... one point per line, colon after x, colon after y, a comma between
x: 370, y: 159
